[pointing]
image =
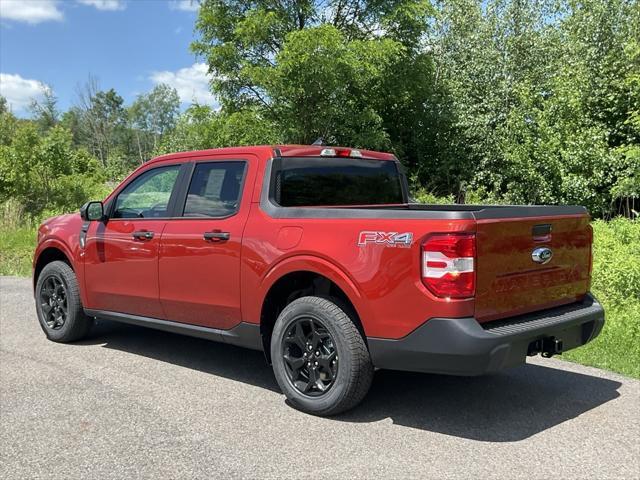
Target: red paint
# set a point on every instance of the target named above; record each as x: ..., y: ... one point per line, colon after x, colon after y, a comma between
x: 120, y: 272
x: 179, y: 276
x: 509, y: 282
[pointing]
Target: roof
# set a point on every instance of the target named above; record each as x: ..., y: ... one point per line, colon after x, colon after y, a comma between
x: 270, y: 151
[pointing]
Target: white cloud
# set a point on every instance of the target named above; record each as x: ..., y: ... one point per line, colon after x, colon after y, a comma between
x: 30, y: 11
x: 192, y: 83
x: 20, y: 91
x: 185, y: 5
x: 104, y: 4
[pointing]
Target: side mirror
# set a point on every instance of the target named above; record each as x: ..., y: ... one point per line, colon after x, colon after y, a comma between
x: 92, y: 211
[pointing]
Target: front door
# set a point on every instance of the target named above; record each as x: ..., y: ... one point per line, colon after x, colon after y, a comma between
x: 199, y: 264
x: 121, y: 254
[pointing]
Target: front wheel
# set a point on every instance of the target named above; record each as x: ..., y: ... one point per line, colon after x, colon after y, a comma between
x: 58, y: 304
x: 320, y: 359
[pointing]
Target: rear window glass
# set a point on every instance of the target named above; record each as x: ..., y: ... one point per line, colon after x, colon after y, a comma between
x: 215, y: 189
x: 340, y: 181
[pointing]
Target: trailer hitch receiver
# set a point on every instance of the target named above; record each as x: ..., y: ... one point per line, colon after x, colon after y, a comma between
x: 551, y: 346
x: 547, y: 347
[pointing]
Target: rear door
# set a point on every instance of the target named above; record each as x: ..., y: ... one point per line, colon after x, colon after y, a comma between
x: 121, y: 254
x: 199, y: 264
x: 528, y: 264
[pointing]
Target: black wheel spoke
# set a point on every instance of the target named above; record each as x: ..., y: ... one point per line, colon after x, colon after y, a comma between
x: 315, y: 340
x: 301, y: 338
x: 302, y: 385
x: 294, y: 363
x: 310, y: 356
x: 326, y: 367
x: 313, y: 379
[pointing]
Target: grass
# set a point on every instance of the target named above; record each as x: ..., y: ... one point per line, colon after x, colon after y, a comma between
x: 616, y: 284
x: 16, y: 250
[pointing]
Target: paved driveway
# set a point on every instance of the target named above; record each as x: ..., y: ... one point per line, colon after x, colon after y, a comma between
x: 131, y: 402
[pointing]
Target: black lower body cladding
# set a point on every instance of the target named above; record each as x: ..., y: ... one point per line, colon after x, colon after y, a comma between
x: 462, y: 346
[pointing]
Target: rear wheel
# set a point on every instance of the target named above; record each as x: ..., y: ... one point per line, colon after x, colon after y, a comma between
x: 58, y: 304
x: 319, y: 357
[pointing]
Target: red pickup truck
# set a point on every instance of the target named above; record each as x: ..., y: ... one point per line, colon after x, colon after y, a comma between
x: 316, y: 256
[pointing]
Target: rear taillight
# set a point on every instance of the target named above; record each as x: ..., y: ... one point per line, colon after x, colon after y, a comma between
x: 448, y: 264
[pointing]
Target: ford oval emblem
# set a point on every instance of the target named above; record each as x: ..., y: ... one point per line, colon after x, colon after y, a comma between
x: 541, y: 255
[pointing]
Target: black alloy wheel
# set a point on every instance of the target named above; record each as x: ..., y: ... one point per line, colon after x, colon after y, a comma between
x: 310, y: 355
x: 53, y: 302
x: 58, y: 304
x: 320, y: 358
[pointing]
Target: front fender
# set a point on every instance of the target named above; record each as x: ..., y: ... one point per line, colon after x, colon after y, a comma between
x: 64, y: 237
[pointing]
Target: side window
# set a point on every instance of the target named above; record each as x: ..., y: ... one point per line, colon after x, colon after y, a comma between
x: 148, y: 195
x: 215, y: 189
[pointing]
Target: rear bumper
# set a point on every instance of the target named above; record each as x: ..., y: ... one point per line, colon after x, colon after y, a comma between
x: 462, y: 346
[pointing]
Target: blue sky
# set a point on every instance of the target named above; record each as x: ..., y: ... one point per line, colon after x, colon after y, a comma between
x: 129, y: 45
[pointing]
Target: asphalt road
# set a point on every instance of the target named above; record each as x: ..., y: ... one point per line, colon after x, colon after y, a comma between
x: 137, y: 403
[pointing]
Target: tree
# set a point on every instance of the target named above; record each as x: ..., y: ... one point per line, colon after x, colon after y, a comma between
x: 338, y: 69
x: 45, y: 112
x: 323, y: 85
x: 202, y: 127
x: 8, y: 123
x: 45, y: 172
x: 101, y: 120
x: 539, y: 107
x: 153, y: 115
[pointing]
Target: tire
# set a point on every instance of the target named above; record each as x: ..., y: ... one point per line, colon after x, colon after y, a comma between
x: 337, y: 387
x: 74, y: 325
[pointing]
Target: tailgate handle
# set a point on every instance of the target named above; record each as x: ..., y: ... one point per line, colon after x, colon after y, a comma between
x: 541, y: 232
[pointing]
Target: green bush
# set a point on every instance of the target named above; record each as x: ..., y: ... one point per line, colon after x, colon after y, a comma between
x: 17, y: 240
x: 422, y: 195
x: 46, y: 173
x: 616, y: 284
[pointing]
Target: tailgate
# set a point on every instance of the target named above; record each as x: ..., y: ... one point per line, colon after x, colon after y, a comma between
x: 510, y: 282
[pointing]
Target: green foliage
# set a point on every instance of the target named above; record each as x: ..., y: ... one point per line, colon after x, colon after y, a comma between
x: 512, y: 101
x: 422, y: 195
x: 201, y: 127
x: 616, y: 284
x: 44, y: 172
x: 540, y: 95
x: 45, y: 112
x: 326, y: 86
x: 350, y: 72
x: 616, y: 262
x: 152, y: 115
x: 16, y: 250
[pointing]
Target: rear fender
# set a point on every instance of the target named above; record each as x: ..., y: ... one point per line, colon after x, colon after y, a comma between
x: 320, y: 266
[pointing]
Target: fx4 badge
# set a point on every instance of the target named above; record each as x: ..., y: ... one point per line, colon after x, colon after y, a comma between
x: 388, y: 239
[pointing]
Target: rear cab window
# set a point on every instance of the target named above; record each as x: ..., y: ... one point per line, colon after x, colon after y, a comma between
x: 305, y: 182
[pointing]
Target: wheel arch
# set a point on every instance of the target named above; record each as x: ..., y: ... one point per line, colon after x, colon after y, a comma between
x: 50, y: 253
x: 303, y: 277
